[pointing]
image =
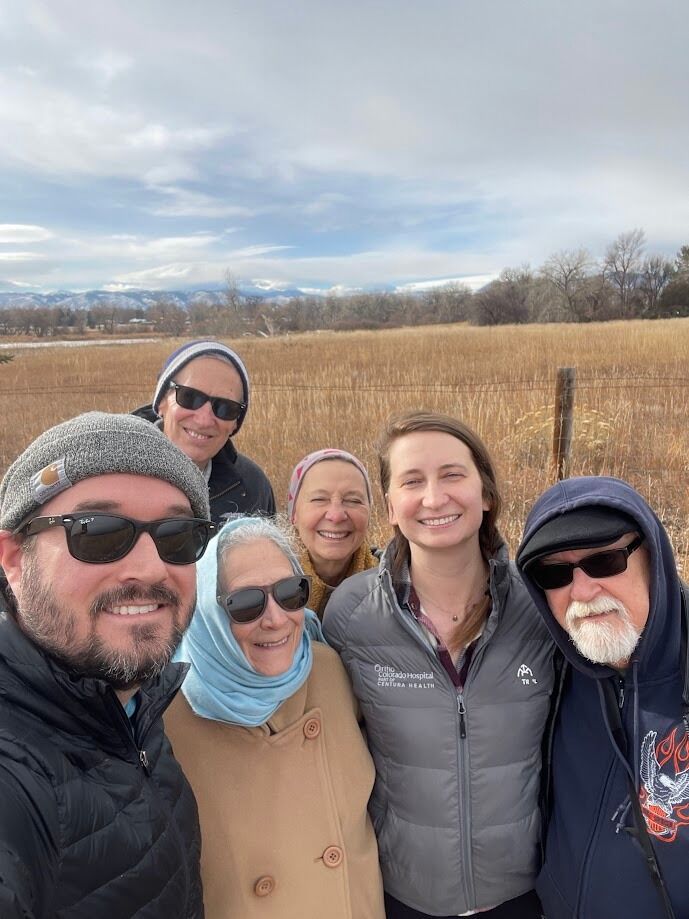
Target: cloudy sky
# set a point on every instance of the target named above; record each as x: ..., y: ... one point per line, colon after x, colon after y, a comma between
x: 318, y: 143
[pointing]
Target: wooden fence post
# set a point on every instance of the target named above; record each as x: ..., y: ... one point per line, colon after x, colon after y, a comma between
x: 564, y: 419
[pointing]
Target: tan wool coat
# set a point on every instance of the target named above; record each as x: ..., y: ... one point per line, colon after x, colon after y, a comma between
x: 284, y: 826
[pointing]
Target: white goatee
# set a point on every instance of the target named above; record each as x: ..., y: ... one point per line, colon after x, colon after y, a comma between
x: 610, y: 641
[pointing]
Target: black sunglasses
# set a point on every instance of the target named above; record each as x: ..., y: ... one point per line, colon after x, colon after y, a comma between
x: 100, y: 538
x: 193, y: 399
x: 248, y: 603
x: 601, y: 565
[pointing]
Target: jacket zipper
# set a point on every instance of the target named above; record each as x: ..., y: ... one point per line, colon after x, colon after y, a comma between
x: 462, y: 757
x: 156, y: 712
x: 465, y: 783
x: 124, y: 721
x: 225, y: 490
x: 146, y: 766
x: 461, y: 709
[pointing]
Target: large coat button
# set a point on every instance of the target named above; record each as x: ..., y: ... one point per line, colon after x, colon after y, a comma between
x: 332, y: 857
x: 312, y: 728
x: 264, y: 886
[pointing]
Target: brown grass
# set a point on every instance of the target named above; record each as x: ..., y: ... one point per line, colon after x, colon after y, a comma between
x: 334, y: 389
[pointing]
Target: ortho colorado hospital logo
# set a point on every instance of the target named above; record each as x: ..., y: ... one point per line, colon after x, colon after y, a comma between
x: 526, y: 677
x: 391, y: 678
x: 664, y: 796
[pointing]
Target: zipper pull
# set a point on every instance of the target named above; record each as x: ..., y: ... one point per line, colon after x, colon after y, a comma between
x: 620, y: 815
x: 461, y: 709
x: 620, y: 693
x: 143, y: 759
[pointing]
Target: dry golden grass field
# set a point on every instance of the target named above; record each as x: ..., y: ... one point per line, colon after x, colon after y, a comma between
x: 334, y: 389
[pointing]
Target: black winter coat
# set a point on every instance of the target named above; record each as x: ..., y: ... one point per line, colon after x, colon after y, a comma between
x: 237, y: 486
x: 96, y: 820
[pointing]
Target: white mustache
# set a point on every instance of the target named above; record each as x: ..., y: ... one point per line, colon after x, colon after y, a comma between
x: 610, y: 641
x: 601, y: 604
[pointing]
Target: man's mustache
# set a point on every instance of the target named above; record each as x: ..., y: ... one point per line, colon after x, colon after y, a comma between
x: 134, y: 593
x: 577, y: 610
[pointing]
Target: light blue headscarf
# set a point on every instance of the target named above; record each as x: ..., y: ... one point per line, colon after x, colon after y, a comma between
x: 221, y: 684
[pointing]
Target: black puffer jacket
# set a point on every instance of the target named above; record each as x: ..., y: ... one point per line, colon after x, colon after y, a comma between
x: 237, y: 485
x: 96, y: 821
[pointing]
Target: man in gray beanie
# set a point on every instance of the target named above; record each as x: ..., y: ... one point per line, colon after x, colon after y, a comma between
x: 200, y: 402
x: 102, y: 520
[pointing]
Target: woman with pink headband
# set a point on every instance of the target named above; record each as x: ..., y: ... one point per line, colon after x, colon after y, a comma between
x: 329, y: 503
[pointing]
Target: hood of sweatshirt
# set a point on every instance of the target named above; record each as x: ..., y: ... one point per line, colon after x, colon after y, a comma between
x: 657, y: 653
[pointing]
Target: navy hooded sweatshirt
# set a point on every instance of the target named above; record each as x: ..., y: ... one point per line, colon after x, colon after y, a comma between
x: 594, y: 866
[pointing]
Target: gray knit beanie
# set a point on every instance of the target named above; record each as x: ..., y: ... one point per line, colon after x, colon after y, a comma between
x: 96, y: 443
x: 188, y: 352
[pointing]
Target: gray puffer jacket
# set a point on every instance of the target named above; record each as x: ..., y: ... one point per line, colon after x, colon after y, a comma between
x: 455, y: 803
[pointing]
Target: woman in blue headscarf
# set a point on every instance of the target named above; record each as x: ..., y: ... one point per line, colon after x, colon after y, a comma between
x: 265, y: 728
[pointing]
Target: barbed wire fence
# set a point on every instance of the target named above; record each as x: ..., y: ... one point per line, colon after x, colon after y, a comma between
x: 673, y: 474
x: 498, y: 386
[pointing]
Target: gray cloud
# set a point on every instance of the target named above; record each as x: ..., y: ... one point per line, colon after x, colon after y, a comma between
x: 414, y: 140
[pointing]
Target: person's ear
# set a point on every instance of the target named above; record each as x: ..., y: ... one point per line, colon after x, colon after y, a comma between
x: 11, y: 559
x: 392, y: 519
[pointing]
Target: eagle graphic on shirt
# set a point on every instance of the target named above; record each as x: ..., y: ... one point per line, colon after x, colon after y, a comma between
x: 664, y: 795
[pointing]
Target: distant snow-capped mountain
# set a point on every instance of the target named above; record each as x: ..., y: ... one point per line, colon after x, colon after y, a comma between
x: 134, y: 299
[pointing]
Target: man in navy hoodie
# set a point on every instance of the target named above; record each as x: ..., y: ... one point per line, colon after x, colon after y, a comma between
x: 600, y: 568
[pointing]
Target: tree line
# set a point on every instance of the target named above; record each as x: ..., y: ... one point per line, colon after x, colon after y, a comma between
x: 570, y: 286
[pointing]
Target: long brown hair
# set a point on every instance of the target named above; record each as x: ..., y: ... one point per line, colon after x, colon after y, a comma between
x: 489, y: 537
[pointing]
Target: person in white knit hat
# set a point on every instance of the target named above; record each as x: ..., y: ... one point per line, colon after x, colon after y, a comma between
x: 200, y: 402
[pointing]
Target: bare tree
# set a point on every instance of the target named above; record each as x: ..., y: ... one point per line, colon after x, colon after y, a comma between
x: 300, y: 314
x: 209, y: 318
x: 598, y: 299
x: 656, y: 273
x: 622, y: 265
x: 507, y: 300
x: 449, y: 303
x: 169, y: 317
x: 233, y: 296
x: 567, y: 271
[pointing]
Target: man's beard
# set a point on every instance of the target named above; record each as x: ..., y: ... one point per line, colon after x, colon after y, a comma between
x: 53, y: 628
x: 603, y: 642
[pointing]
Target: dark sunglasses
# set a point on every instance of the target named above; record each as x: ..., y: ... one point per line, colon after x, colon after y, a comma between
x: 601, y: 565
x: 101, y: 538
x: 248, y: 603
x: 194, y: 399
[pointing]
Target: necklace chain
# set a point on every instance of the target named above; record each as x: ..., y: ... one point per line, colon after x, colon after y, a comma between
x: 467, y: 609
